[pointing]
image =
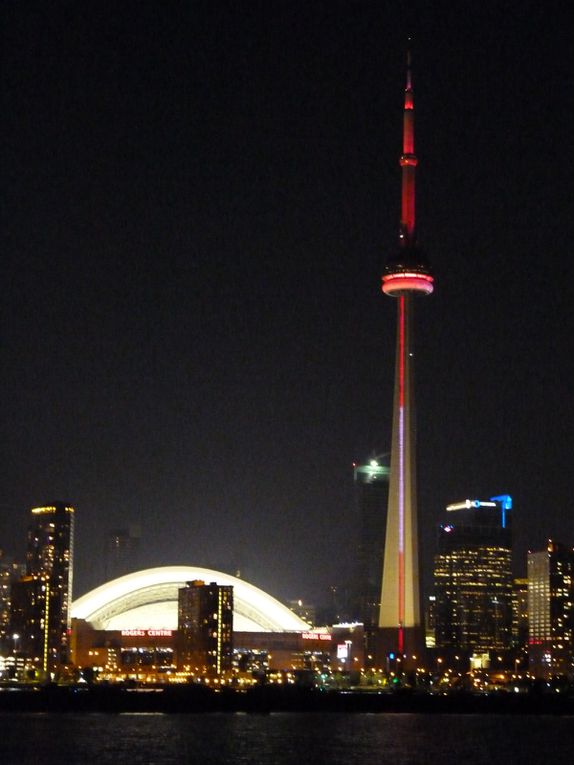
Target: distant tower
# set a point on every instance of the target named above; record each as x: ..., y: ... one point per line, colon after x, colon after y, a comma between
x: 121, y: 555
x: 41, y: 599
x: 473, y: 578
x: 372, y: 497
x: 406, y: 275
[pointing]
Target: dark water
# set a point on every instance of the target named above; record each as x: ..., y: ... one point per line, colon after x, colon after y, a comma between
x: 285, y: 739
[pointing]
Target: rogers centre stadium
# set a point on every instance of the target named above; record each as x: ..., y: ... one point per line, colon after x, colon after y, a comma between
x: 148, y: 600
x: 129, y: 626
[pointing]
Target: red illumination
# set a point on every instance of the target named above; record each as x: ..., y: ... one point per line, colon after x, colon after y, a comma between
x: 408, y: 160
x: 407, y: 281
x: 316, y: 636
x: 147, y: 633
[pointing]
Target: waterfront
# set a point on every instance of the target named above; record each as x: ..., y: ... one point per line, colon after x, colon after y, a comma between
x: 284, y: 739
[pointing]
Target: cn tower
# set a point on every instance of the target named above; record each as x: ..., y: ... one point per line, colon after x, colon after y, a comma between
x: 407, y: 274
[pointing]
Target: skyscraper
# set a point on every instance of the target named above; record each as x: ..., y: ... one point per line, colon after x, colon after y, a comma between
x: 121, y: 555
x: 473, y: 577
x: 520, y: 613
x: 551, y: 611
x: 10, y: 572
x: 372, y: 497
x: 406, y: 275
x: 205, y: 627
x: 41, y: 599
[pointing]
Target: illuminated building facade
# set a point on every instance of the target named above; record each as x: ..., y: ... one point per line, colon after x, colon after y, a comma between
x: 337, y: 648
x: 10, y: 572
x: 120, y: 654
x: 205, y: 627
x: 150, y: 653
x: 551, y: 611
x: 520, y: 613
x: 473, y: 577
x: 372, y: 497
x: 40, y: 609
x: 430, y: 621
x: 407, y: 274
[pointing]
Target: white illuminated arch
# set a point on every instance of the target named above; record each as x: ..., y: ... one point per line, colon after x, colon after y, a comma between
x: 148, y: 600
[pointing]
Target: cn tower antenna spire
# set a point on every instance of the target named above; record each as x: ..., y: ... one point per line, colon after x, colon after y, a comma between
x: 408, y: 162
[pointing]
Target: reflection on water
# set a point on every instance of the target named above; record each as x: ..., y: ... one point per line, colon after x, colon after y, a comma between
x: 285, y: 739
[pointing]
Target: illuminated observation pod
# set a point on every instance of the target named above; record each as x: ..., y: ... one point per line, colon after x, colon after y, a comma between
x: 408, y: 271
x: 407, y: 281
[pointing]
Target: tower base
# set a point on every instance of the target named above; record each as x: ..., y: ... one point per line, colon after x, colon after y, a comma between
x: 386, y: 654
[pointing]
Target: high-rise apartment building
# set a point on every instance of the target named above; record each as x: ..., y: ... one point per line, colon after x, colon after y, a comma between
x: 205, y: 628
x: 520, y: 613
x: 473, y: 577
x: 40, y: 609
x: 551, y: 611
x: 10, y: 571
x: 371, y: 497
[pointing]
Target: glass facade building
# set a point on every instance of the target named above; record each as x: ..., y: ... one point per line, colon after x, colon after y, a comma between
x: 551, y: 611
x: 473, y: 577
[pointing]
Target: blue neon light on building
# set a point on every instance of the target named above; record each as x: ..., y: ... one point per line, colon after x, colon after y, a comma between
x: 505, y: 503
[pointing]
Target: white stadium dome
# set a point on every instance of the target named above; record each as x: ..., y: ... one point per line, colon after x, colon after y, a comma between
x: 148, y: 600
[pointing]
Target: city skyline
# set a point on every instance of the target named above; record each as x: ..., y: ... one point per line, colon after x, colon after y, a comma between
x: 196, y: 212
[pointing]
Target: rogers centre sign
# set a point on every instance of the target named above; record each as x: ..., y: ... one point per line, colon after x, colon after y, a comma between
x: 147, y: 633
x: 316, y: 635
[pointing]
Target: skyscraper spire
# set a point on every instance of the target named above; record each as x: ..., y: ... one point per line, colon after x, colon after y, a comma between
x: 406, y: 274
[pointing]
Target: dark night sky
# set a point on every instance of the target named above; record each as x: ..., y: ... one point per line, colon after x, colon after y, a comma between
x: 197, y: 202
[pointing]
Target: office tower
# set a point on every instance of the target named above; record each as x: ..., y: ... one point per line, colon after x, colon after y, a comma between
x: 473, y: 577
x: 371, y: 497
x: 551, y: 611
x: 41, y: 599
x: 407, y: 275
x: 520, y: 613
x: 121, y: 555
x: 9, y: 573
x: 205, y: 628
